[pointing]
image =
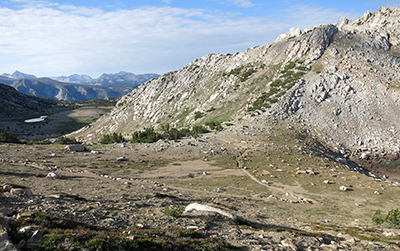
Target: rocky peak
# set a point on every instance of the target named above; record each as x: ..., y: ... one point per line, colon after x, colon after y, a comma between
x: 340, y: 82
x: 18, y: 75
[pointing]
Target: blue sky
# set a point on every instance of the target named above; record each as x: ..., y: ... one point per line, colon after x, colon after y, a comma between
x: 52, y: 38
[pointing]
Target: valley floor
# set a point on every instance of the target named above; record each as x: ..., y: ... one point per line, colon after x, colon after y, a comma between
x: 293, y: 193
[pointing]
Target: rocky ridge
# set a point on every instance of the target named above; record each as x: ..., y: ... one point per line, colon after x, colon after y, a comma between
x: 339, y: 81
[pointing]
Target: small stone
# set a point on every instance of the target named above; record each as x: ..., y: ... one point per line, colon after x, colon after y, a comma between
x: 6, y: 211
x: 27, y: 228
x: 54, y: 175
x: 35, y: 240
x: 25, y: 192
x: 21, y: 244
x: 264, y: 182
x: 8, y: 245
x: 389, y: 234
x: 288, y: 243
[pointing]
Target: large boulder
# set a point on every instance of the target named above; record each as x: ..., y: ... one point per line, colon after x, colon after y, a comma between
x: 75, y: 148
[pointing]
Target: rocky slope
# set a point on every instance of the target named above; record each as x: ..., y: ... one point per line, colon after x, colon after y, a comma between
x: 341, y: 82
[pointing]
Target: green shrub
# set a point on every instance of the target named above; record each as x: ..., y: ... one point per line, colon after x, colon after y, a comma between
x: 112, y: 138
x: 174, y: 211
x: 392, y: 218
x: 198, y: 115
x: 215, y: 125
x: 148, y: 135
x: 236, y: 71
x: 290, y: 65
x: 8, y: 137
x: 301, y: 68
x: 276, y: 83
x: 198, y: 129
x: 185, y: 132
x: 39, y: 141
x: 174, y: 134
x: 65, y: 141
x: 247, y: 74
x: 377, y: 218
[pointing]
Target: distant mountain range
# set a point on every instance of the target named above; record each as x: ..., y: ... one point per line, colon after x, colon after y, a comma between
x: 105, y: 79
x: 75, y: 87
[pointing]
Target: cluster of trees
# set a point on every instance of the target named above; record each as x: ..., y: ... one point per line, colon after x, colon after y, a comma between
x: 149, y: 135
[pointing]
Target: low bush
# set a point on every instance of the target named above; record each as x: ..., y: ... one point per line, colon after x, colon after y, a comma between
x: 65, y: 141
x: 198, y: 115
x: 392, y: 218
x: 174, y: 211
x: 8, y: 137
x: 148, y: 135
x: 214, y: 125
x: 112, y: 138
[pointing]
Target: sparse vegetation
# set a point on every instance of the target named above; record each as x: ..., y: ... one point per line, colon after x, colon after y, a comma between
x: 174, y: 211
x: 198, y: 115
x: 288, y: 78
x: 149, y: 135
x: 214, y: 125
x: 392, y: 218
x: 65, y: 140
x: 59, y: 234
x: 112, y: 138
x: 8, y: 137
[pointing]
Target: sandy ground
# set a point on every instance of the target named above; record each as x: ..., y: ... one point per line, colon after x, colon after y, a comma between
x: 268, y: 176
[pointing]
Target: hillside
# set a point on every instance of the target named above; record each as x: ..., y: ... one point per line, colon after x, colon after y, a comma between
x: 339, y: 82
x: 14, y: 103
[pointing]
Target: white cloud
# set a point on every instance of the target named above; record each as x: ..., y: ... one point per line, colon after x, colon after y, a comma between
x: 63, y: 39
x: 242, y: 3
